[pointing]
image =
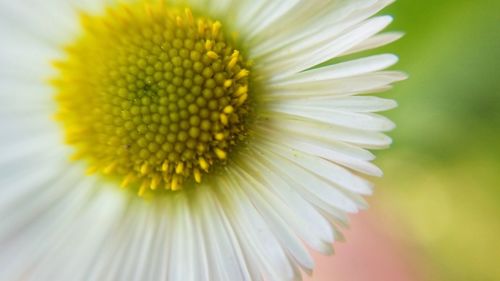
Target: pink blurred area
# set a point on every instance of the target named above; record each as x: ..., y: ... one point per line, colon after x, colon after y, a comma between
x: 370, y: 253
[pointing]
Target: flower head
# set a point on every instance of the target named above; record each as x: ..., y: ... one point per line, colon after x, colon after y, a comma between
x: 234, y: 145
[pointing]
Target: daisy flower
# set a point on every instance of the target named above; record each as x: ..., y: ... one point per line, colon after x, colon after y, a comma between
x: 185, y: 140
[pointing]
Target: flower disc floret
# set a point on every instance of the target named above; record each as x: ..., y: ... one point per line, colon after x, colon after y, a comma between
x: 153, y: 96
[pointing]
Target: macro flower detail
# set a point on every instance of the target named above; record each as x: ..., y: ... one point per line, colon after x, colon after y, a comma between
x: 152, y: 94
x: 239, y: 126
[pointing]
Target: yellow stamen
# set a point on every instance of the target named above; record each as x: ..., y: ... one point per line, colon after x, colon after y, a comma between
x: 197, y: 176
x: 203, y: 164
x: 143, y: 188
x: 165, y: 166
x: 209, y: 44
x: 219, y: 136
x: 109, y: 168
x: 242, y: 99
x: 213, y: 55
x: 228, y: 83
x: 145, y: 169
x: 216, y: 28
x: 180, y: 168
x: 201, y: 27
x: 127, y: 180
x: 220, y: 153
x: 175, y: 183
x: 228, y: 109
x: 224, y: 119
x: 189, y: 16
x: 155, y: 182
x: 234, y: 60
x: 241, y: 91
x: 242, y: 74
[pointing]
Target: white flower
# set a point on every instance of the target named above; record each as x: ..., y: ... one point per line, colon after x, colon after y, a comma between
x: 269, y: 162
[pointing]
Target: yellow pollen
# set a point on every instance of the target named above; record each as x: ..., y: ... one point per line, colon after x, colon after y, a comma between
x: 165, y: 166
x: 224, y: 119
x: 220, y: 153
x: 152, y: 96
x: 209, y: 45
x: 155, y: 182
x: 242, y: 74
x: 189, y: 16
x: 127, y: 180
x: 219, y: 136
x: 145, y: 169
x: 203, y: 164
x: 175, y: 183
x: 213, y: 55
x: 197, y: 176
x: 180, y: 168
x: 109, y: 168
x: 241, y: 91
x: 229, y: 109
x: 216, y: 28
x: 228, y: 83
x: 234, y: 60
x: 143, y: 188
x: 201, y: 27
x: 242, y: 99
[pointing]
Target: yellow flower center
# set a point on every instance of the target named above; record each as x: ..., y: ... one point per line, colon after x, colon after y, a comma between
x: 152, y: 96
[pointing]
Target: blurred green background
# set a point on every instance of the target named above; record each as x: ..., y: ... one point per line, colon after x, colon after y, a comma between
x: 440, y: 195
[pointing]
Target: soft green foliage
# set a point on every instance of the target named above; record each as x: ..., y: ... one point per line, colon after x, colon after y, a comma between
x: 442, y: 175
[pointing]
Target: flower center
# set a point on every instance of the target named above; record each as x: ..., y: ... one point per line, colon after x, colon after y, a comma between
x: 152, y: 96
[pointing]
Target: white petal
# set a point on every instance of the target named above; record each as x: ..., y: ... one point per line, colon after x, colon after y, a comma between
x: 375, y: 42
x: 260, y: 243
x: 332, y: 48
x: 286, y: 212
x: 328, y: 132
x: 366, y: 83
x: 361, y: 121
x: 51, y: 22
x: 315, y: 18
x: 336, y: 175
x: 360, y: 104
x: 341, y: 70
x: 79, y: 240
x: 47, y: 221
x: 223, y: 250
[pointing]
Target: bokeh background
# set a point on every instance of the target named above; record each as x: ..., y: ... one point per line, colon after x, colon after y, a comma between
x: 435, y: 214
